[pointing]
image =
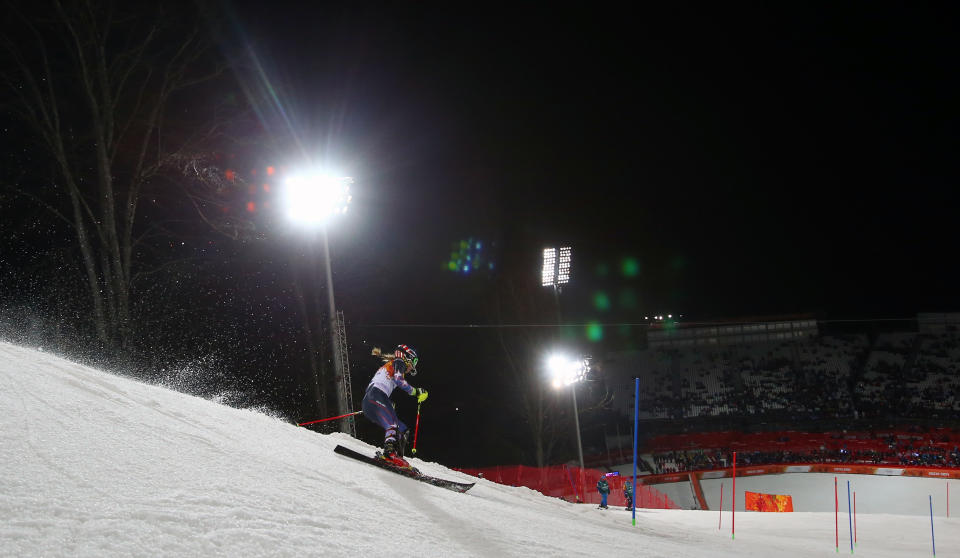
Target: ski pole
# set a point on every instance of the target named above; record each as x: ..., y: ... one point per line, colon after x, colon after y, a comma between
x: 416, y: 429
x: 331, y: 418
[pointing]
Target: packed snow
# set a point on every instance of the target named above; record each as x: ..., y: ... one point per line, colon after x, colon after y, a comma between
x: 93, y: 464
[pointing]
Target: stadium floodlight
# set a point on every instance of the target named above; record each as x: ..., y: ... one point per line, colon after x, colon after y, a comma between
x: 311, y: 198
x: 563, y: 266
x: 567, y: 371
x: 556, y: 266
x: 549, y: 266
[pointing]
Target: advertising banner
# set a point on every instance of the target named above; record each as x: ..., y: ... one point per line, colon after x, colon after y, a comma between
x: 831, y: 468
x: 756, y: 501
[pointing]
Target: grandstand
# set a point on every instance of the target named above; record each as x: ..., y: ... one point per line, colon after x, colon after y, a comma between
x: 811, y: 394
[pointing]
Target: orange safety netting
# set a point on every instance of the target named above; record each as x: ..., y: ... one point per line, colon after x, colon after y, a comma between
x: 756, y: 501
x: 564, y: 482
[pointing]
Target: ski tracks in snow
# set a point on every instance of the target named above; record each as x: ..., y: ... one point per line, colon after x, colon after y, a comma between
x: 458, y: 525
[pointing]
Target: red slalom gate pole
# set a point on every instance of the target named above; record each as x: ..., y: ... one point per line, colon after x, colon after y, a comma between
x: 836, y: 513
x: 720, y: 521
x: 733, y: 501
x: 330, y: 418
x: 854, y: 518
x: 416, y: 429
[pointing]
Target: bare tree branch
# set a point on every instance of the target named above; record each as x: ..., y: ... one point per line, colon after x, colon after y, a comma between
x: 42, y: 204
x: 117, y: 83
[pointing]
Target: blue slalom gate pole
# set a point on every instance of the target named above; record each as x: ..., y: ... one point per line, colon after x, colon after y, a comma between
x: 932, y: 538
x: 850, y: 517
x: 636, y: 422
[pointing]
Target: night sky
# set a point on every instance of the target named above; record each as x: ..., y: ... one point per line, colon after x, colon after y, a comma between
x: 712, y: 162
x: 751, y: 161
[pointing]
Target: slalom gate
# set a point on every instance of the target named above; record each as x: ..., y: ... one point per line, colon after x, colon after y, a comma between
x: 562, y: 481
x: 802, y: 486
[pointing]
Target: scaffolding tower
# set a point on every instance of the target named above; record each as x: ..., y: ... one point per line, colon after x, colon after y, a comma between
x: 346, y: 390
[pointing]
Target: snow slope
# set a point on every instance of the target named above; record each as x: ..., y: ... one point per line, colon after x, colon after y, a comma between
x: 93, y: 464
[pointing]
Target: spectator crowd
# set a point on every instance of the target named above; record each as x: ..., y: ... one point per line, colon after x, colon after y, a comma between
x: 894, y: 449
x: 812, y: 378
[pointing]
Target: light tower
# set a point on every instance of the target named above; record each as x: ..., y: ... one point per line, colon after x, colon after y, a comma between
x: 312, y: 199
x: 565, y: 371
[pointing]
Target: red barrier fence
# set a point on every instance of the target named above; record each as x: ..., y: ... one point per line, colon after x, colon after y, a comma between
x: 561, y: 481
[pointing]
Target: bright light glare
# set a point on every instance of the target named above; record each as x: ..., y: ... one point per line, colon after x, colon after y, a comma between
x: 563, y: 272
x: 556, y: 269
x: 549, y: 265
x: 311, y: 198
x: 564, y: 370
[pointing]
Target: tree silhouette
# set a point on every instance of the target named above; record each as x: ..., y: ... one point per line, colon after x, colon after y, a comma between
x: 132, y: 108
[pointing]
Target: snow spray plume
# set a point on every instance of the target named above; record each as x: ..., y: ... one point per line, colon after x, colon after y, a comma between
x: 205, y: 377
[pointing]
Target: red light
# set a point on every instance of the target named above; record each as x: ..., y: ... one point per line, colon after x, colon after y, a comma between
x: 266, y: 187
x: 270, y: 171
x: 230, y: 175
x: 251, y: 207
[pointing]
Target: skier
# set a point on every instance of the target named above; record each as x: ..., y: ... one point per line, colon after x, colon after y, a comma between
x: 377, y: 405
x: 603, y: 488
x: 628, y: 494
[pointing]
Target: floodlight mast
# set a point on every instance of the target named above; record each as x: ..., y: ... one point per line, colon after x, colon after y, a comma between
x: 312, y: 199
x: 556, y: 273
x: 576, y: 426
x: 570, y: 372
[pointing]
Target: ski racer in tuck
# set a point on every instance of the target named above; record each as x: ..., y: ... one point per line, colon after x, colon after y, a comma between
x: 377, y: 406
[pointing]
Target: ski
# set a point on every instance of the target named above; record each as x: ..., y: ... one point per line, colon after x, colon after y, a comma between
x: 409, y: 473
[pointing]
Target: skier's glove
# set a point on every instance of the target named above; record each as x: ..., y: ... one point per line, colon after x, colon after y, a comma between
x: 420, y: 394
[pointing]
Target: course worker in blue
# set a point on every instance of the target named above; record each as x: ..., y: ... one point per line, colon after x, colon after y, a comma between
x: 604, y: 489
